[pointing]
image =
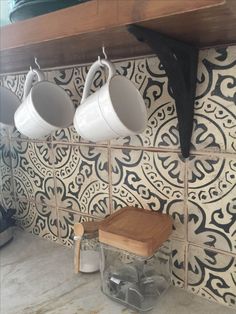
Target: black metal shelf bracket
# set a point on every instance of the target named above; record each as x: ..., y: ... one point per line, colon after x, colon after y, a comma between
x: 180, y: 61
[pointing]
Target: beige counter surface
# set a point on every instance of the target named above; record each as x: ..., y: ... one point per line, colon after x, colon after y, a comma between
x: 37, y: 277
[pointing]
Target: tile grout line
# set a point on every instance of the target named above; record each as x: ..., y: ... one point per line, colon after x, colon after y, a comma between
x: 213, y: 301
x: 109, y: 177
x: 110, y: 200
x: 215, y: 154
x: 186, y: 257
x: 186, y: 221
x: 215, y: 250
x: 25, y: 200
x: 55, y: 194
x: 11, y: 164
x: 182, y: 240
x: 60, y: 209
x: 143, y: 148
x: 204, y: 247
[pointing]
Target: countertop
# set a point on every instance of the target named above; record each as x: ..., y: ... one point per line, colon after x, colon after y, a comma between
x: 37, y: 277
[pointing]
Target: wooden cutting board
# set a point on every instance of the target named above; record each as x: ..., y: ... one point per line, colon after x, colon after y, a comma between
x: 136, y: 230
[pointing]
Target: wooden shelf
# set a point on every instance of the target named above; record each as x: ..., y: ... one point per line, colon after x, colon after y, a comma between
x: 76, y: 34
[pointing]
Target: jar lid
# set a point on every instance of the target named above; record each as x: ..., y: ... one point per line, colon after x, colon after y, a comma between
x: 136, y: 230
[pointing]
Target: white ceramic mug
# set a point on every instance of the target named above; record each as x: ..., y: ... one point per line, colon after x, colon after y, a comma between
x: 46, y: 107
x: 117, y: 109
x: 9, y: 103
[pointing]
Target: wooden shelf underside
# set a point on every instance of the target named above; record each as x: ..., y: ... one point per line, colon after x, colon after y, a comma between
x: 75, y: 35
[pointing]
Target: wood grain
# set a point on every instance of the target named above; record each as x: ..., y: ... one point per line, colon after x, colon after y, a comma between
x: 75, y: 35
x: 214, y: 25
x: 93, y: 16
x: 136, y: 230
x: 79, y: 232
x: 139, y: 10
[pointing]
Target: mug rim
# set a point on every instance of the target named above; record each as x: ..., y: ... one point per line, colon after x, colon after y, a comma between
x: 69, y: 101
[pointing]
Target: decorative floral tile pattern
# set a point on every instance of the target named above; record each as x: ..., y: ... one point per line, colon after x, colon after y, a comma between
x: 212, y: 201
x: 6, y: 186
x: 15, y: 83
x: 215, y: 110
x: 7, y: 201
x: 15, y: 134
x: 178, y: 263
x: 39, y: 219
x: 66, y: 225
x: 4, y: 131
x: 212, y: 275
x: 151, y: 180
x: 149, y: 77
x: 82, y: 178
x: 33, y: 171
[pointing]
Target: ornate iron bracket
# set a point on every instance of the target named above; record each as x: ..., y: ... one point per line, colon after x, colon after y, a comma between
x: 180, y: 61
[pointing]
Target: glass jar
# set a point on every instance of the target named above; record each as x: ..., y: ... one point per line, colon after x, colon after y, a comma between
x: 87, y: 252
x: 135, y: 281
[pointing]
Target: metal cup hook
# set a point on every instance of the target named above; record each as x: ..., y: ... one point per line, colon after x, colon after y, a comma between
x: 37, y: 64
x: 104, y: 52
x: 104, y: 55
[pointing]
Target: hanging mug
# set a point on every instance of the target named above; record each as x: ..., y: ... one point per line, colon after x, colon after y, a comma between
x: 46, y: 107
x: 116, y: 110
x: 9, y: 103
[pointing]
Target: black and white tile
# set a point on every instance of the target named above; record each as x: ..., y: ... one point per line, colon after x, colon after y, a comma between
x: 32, y: 166
x: 66, y: 225
x: 149, y: 76
x: 178, y: 263
x: 78, y: 177
x: 38, y: 219
x: 81, y: 174
x: 212, y: 202
x: 212, y: 275
x: 215, y: 109
x: 150, y: 180
x: 6, y: 184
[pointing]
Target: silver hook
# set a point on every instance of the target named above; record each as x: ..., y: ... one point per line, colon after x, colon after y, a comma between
x: 36, y: 62
x: 104, y: 52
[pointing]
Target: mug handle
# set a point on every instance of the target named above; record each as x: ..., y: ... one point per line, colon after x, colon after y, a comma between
x: 90, y: 76
x: 29, y: 80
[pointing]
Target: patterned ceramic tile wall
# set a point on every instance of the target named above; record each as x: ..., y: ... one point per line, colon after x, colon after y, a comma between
x: 62, y: 179
x: 6, y: 182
